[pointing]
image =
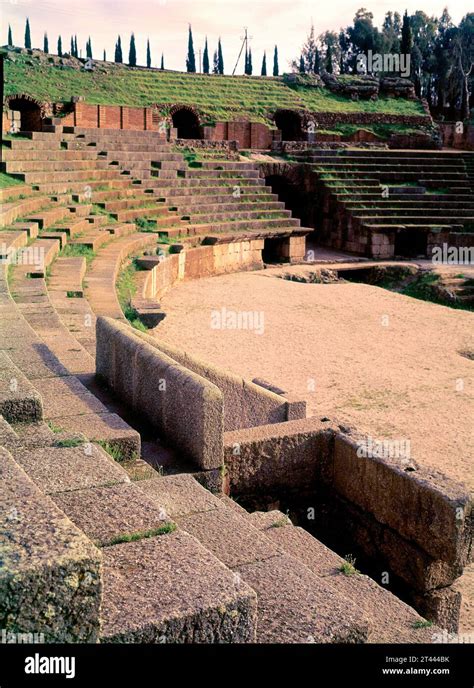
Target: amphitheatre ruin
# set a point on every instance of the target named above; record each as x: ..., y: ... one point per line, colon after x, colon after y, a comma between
x: 236, y: 391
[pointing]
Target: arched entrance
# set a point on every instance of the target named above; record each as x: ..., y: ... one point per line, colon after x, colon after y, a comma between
x: 290, y: 124
x: 186, y: 121
x: 30, y: 110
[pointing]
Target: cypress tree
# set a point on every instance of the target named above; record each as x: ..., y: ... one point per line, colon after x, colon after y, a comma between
x: 89, y: 48
x: 317, y: 62
x: 264, y: 64
x: 118, y: 51
x: 205, y: 59
x: 246, y: 63
x: 45, y: 43
x: 10, y: 37
x: 76, y: 51
x: 215, y: 63
x: 148, y: 54
x: 220, y: 57
x: 105, y: 56
x: 302, y: 68
x: 250, y: 67
x: 407, y: 36
x: 275, y: 62
x: 72, y: 47
x: 329, y: 67
x: 60, y: 46
x: 132, y: 53
x: 162, y: 65
x: 191, y: 58
x: 27, y: 35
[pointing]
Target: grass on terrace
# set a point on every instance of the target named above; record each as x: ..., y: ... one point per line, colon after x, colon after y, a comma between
x: 7, y: 180
x: 217, y: 97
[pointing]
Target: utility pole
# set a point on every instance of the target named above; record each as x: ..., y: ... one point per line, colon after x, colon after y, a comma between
x: 245, y: 41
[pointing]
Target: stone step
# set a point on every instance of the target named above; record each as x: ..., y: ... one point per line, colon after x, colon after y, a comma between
x: 222, y: 174
x: 61, y: 565
x: 10, y: 242
x: 47, y: 218
x: 67, y: 275
x: 160, y: 215
x: 69, y: 176
x: 414, y: 220
x: 25, y: 166
x: 10, y: 212
x: 390, y: 619
x: 234, y: 215
x: 19, y: 400
x: 293, y: 604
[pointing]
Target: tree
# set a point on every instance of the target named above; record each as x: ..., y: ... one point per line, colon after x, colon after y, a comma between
x: 330, y: 43
x: 148, y: 54
x: 407, y: 38
x: 264, y: 64
x: 118, y: 51
x: 10, y: 37
x: 344, y: 52
x: 307, y: 58
x: 104, y: 57
x: 60, y: 46
x: 132, y: 52
x: 248, y: 62
x: 205, y: 59
x: 76, y: 51
x: 89, y: 49
x: 363, y: 36
x: 275, y: 62
x: 27, y: 35
x: 215, y: 63
x: 72, y: 47
x: 220, y: 57
x: 45, y: 43
x: 191, y: 58
x: 162, y: 65
x: 329, y: 66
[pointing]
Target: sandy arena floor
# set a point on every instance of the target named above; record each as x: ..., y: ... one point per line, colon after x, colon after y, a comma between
x: 385, y: 363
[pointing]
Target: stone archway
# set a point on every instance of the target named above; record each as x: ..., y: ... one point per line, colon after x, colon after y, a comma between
x: 31, y: 111
x: 186, y: 121
x: 290, y: 123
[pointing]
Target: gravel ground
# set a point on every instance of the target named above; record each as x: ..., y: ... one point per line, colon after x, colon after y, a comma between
x: 384, y: 363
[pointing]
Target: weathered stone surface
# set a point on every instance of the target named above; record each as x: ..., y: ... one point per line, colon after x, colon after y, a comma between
x: 390, y: 619
x: 228, y: 536
x: 19, y: 401
x: 169, y: 589
x: 107, y: 513
x: 295, y: 606
x: 50, y: 572
x: 179, y: 495
x: 278, y: 457
x: 66, y: 396
x: 442, y: 606
x: 393, y: 493
x: 62, y: 469
x: 187, y: 409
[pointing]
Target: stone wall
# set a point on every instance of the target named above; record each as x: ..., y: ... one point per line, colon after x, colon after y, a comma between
x: 461, y: 140
x: 186, y: 408
x: 411, y: 522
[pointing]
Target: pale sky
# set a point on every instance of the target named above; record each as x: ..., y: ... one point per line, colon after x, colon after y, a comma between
x: 165, y: 22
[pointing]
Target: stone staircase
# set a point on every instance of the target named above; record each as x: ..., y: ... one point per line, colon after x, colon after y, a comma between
x: 394, y: 203
x: 134, y: 556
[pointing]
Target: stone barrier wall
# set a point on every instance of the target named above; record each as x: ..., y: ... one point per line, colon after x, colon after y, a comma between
x: 186, y: 408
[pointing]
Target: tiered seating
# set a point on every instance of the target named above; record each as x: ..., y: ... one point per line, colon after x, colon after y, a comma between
x: 387, y: 191
x: 178, y: 564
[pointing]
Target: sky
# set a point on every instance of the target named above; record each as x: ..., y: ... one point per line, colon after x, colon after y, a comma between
x: 165, y: 23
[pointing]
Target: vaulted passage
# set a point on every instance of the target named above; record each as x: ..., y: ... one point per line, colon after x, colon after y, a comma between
x: 410, y: 244
x: 187, y: 124
x: 289, y: 123
x: 30, y: 113
x: 291, y: 194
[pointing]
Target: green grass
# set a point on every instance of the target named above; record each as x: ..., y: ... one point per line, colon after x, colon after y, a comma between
x: 72, y: 442
x: 112, y: 449
x: 125, y: 288
x: 6, y: 180
x: 348, y: 567
x: 217, y: 97
x: 54, y: 428
x: 283, y: 521
x: 142, y: 534
x: 78, y: 251
x: 422, y: 624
